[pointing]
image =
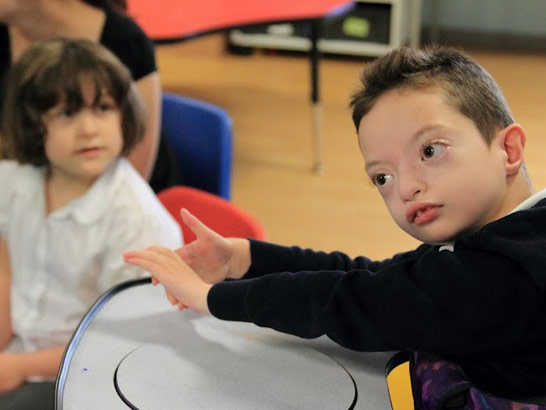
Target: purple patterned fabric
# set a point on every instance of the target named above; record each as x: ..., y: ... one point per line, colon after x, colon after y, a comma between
x: 440, y: 384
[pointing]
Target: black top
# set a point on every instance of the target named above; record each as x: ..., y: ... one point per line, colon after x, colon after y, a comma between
x: 5, y: 55
x: 482, y: 305
x: 5, y: 62
x: 128, y: 42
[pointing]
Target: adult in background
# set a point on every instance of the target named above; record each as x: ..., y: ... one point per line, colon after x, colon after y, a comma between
x: 22, y: 22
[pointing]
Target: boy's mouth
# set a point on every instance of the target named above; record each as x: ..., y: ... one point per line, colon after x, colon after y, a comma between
x: 423, y: 213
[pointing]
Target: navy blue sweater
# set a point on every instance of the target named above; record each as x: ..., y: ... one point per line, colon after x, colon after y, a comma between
x: 482, y: 305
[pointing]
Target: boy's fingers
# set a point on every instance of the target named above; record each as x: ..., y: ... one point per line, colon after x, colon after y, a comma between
x: 142, y: 254
x: 159, y: 257
x: 155, y: 253
x: 165, y: 252
x: 129, y: 254
x: 143, y: 263
x: 186, y: 256
x: 150, y: 263
x: 172, y: 299
x: 183, y: 252
x: 198, y: 227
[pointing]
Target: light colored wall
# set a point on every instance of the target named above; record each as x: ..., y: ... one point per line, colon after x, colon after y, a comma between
x: 517, y: 17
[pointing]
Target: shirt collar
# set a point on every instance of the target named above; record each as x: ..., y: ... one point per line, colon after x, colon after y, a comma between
x: 531, y: 201
x: 89, y: 207
x: 29, y: 180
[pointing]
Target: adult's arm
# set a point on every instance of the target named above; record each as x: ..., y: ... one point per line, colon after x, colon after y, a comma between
x: 6, y: 331
x: 129, y: 43
x: 144, y: 154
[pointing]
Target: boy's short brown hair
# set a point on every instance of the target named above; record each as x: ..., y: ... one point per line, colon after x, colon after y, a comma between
x: 50, y: 72
x: 469, y: 88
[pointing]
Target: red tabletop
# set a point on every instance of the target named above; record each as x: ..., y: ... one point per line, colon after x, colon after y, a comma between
x: 179, y: 19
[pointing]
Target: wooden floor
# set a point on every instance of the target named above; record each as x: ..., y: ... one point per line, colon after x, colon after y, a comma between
x: 268, y: 98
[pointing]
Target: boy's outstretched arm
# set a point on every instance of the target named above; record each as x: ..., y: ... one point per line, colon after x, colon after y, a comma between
x: 213, y: 257
x: 179, y: 280
x: 5, y: 283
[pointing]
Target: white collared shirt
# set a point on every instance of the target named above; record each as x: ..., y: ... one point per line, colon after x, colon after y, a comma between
x: 62, y: 262
x: 531, y: 201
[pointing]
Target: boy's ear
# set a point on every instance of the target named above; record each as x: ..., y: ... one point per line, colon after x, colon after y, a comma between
x: 512, y: 141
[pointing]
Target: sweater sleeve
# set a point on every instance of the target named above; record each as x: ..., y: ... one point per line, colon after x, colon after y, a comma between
x: 270, y: 258
x: 459, y: 302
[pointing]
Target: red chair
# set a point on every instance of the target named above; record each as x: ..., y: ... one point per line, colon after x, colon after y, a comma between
x: 215, y: 212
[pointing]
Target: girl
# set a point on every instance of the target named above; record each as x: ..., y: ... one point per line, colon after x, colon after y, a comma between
x: 73, y: 203
x: 22, y: 22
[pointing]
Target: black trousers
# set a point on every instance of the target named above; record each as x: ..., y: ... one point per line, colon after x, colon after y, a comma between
x: 30, y: 396
x: 166, y: 172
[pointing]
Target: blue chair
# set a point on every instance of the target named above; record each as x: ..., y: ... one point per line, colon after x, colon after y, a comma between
x: 199, y: 134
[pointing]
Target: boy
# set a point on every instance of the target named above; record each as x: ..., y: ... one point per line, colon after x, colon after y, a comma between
x: 441, y: 146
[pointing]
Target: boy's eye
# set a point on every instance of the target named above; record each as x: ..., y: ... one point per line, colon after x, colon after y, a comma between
x: 381, y: 179
x: 433, y: 150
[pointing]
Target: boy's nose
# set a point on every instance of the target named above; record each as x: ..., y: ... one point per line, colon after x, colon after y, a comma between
x: 410, y: 195
x: 409, y: 188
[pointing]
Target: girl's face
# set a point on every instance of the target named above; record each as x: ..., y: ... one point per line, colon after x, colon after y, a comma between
x: 80, y: 145
x: 7, y: 8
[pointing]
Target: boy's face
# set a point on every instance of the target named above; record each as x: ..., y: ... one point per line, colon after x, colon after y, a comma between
x: 431, y: 165
x: 80, y: 144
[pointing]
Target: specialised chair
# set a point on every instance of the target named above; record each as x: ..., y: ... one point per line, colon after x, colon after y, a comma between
x: 199, y: 134
x: 218, y: 214
x: 399, y: 382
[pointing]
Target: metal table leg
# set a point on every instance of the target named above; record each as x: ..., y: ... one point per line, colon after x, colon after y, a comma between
x: 314, y: 56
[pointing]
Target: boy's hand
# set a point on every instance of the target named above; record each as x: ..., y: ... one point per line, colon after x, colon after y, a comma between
x: 213, y: 257
x: 11, y: 373
x: 183, y: 286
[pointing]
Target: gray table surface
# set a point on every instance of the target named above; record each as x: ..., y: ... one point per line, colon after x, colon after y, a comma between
x: 161, y: 358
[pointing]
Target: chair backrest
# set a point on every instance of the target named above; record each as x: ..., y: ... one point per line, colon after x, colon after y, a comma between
x: 218, y: 214
x: 199, y: 134
x: 399, y: 382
